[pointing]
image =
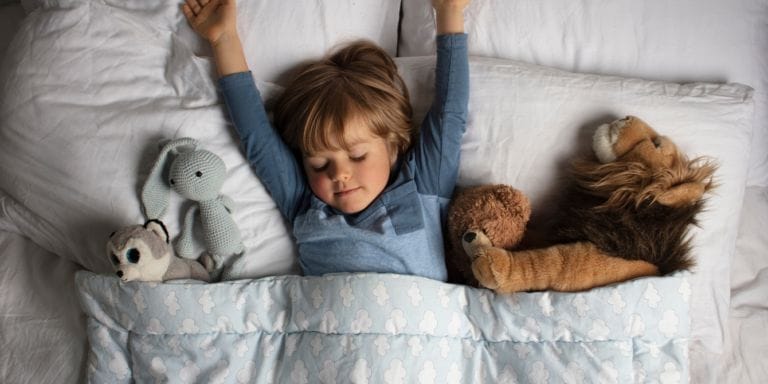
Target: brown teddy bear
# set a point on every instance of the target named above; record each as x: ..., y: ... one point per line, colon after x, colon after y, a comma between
x: 500, y: 211
x: 627, y: 216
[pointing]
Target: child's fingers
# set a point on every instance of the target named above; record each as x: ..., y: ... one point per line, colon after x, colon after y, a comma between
x: 194, y: 6
x: 187, y: 12
x: 207, y: 10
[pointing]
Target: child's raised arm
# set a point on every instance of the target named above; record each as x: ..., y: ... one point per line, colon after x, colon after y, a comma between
x: 215, y: 21
x: 449, y: 16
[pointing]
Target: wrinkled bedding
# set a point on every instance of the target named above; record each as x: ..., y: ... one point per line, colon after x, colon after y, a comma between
x: 42, y: 328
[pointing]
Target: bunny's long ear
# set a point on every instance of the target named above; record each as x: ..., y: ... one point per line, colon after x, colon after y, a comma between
x: 156, y: 191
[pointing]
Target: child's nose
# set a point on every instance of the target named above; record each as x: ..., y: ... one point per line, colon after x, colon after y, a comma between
x: 341, y: 172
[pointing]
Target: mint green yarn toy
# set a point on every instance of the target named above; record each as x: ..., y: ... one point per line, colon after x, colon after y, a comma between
x: 195, y: 174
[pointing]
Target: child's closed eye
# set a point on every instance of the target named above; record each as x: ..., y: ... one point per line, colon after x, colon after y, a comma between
x: 317, y: 164
x: 358, y: 158
x: 319, y: 168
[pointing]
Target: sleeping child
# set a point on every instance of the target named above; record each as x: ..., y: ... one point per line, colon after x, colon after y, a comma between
x: 362, y: 190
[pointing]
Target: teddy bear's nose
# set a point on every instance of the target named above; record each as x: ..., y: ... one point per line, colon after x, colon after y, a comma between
x: 469, y: 237
x: 119, y: 273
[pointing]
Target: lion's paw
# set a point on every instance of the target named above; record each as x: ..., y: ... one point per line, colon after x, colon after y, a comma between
x: 482, y: 268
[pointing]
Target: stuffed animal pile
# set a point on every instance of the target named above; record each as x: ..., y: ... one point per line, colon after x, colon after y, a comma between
x: 627, y: 215
x: 144, y: 252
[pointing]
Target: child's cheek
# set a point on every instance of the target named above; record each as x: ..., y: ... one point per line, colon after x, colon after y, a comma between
x: 321, y: 186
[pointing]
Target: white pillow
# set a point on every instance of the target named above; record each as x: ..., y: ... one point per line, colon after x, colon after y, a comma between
x: 90, y: 89
x: 526, y: 122
x: 681, y: 41
x: 276, y: 35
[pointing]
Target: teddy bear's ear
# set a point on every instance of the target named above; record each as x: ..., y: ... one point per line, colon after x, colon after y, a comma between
x: 158, y: 228
x: 681, y: 194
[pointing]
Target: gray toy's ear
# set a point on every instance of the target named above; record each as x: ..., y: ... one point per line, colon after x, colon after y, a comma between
x: 156, y: 191
x: 159, y: 229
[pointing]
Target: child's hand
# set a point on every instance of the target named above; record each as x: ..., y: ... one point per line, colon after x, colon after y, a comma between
x: 215, y: 21
x: 212, y: 19
x: 449, y: 15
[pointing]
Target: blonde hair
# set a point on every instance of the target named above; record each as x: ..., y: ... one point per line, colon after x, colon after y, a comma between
x: 359, y: 81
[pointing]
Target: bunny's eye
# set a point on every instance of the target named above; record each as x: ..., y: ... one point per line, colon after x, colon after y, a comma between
x: 172, y: 182
x: 114, y: 259
x: 199, y: 174
x: 133, y: 255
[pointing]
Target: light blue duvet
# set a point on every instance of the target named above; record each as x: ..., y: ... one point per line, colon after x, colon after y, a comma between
x: 383, y: 328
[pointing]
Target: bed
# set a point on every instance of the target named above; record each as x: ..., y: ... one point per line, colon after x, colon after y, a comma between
x: 89, y: 88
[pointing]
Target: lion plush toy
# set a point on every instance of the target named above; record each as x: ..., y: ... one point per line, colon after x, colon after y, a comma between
x: 627, y: 215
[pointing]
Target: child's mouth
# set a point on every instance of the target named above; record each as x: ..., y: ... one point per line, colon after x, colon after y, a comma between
x: 346, y: 192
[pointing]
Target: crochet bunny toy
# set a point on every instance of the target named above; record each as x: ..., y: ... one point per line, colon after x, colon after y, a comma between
x: 195, y: 174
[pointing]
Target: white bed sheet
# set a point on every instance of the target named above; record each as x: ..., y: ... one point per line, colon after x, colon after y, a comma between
x: 40, y: 322
x: 745, y: 350
x: 42, y: 328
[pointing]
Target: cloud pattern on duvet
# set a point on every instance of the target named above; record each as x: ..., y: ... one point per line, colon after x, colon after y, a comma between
x: 379, y: 328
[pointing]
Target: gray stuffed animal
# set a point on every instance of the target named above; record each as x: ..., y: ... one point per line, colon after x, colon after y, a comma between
x: 143, y: 253
x: 198, y: 175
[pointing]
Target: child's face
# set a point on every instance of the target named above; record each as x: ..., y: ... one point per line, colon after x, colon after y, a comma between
x: 349, y: 180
